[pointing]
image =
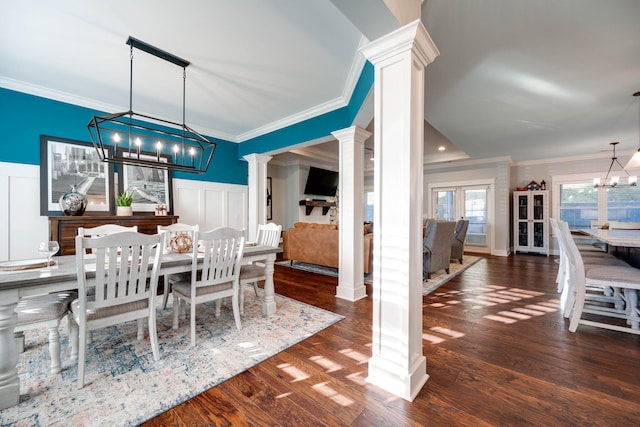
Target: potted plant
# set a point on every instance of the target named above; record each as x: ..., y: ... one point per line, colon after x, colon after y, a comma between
x: 123, y: 202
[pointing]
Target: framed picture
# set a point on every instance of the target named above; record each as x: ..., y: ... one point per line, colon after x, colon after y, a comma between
x: 150, y: 186
x: 65, y: 163
x: 269, y: 200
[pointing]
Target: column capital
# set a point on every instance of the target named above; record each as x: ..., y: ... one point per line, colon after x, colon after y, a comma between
x: 355, y: 133
x: 257, y: 158
x: 412, y: 37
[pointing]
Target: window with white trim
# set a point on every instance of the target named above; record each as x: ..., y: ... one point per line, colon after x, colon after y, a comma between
x: 578, y: 203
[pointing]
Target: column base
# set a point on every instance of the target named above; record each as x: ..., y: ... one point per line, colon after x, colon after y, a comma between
x: 351, y: 293
x: 388, y: 376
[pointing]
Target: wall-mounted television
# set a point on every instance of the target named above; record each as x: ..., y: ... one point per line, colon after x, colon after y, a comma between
x: 321, y: 182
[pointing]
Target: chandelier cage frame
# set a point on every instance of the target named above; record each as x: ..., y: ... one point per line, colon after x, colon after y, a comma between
x: 142, y: 140
x: 614, y: 182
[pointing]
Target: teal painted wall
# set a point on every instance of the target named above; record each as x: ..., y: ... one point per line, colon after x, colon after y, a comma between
x: 316, y: 127
x: 24, y: 117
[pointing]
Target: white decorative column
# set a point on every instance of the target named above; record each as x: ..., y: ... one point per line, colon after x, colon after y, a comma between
x: 397, y: 363
x: 257, y: 194
x: 351, y: 272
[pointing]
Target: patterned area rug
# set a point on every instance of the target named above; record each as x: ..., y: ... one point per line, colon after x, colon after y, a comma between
x: 125, y: 386
x: 437, y: 280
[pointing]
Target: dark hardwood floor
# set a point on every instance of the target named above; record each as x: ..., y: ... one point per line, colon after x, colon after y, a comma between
x: 498, y: 353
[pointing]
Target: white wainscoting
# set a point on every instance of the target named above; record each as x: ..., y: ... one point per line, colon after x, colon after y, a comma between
x: 210, y: 204
x: 21, y: 226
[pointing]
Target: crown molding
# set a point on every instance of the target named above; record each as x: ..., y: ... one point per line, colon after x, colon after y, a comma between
x: 600, y: 155
x: 57, y: 95
x: 352, y: 79
x: 470, y: 162
x: 342, y: 101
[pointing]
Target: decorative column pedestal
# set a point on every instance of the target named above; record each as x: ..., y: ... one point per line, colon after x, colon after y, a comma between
x: 257, y: 193
x: 397, y: 363
x: 351, y: 280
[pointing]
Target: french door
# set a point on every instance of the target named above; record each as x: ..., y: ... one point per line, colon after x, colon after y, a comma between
x: 465, y: 202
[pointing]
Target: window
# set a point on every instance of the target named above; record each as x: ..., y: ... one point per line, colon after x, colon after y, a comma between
x: 579, y: 203
x: 623, y: 204
x: 368, y: 205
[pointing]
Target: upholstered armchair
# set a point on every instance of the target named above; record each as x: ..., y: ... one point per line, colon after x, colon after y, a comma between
x: 436, y: 247
x: 457, y: 243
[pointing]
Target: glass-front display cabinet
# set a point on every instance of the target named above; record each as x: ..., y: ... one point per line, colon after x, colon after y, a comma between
x: 531, y: 221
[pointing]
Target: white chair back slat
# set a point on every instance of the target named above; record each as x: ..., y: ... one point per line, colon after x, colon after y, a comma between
x: 269, y: 234
x: 172, y: 230
x: 124, y: 263
x: 105, y: 230
x: 223, y: 249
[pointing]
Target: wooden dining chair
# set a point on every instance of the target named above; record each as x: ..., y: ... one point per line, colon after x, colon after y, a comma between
x: 268, y: 235
x: 122, y: 289
x: 177, y: 237
x: 212, y: 280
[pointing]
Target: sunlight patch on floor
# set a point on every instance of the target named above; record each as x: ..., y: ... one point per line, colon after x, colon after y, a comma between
x: 328, y: 364
x: 501, y: 319
x: 295, y: 373
x: 432, y: 339
x: 542, y: 308
x: 355, y: 355
x: 325, y: 390
x: 446, y: 331
x: 515, y: 315
x: 528, y: 311
x: 358, y: 378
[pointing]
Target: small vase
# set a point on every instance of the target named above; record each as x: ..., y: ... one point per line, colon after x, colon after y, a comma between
x: 73, y: 203
x: 124, y: 210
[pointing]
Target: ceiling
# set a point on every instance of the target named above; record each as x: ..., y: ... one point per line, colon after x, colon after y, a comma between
x: 519, y: 78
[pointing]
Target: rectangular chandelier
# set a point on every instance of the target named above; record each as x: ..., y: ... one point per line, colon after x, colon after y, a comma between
x: 137, y: 139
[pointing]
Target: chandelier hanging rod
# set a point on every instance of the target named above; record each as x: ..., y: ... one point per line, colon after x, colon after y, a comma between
x: 162, y: 54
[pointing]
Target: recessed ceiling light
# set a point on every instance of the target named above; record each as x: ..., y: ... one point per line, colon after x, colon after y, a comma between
x: 442, y: 148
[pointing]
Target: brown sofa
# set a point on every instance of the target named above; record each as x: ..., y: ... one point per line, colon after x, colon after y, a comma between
x: 318, y: 244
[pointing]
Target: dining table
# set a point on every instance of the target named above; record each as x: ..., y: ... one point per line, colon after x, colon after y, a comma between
x: 614, y: 237
x: 63, y: 276
x: 623, y: 243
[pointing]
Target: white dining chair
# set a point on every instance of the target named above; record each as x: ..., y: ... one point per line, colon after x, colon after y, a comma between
x: 212, y: 280
x: 48, y: 310
x: 268, y: 235
x: 105, y: 230
x: 567, y: 288
x: 586, y: 296
x: 171, y: 233
x: 122, y: 289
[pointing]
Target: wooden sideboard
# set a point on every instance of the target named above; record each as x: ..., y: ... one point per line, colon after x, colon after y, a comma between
x: 64, y: 229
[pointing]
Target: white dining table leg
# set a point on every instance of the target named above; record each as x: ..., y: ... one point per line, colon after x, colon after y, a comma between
x: 269, y: 302
x: 9, y: 380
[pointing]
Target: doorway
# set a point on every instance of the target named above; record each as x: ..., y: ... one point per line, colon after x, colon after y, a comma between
x: 471, y: 202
